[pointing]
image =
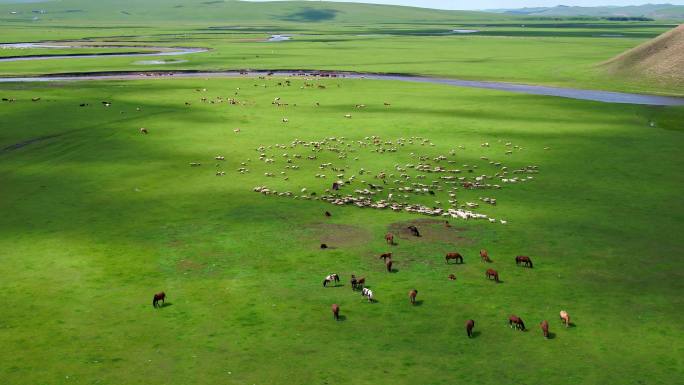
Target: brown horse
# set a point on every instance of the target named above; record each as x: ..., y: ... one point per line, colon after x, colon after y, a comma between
x: 158, y: 297
x: 544, y: 325
x: 491, y: 273
x: 389, y: 238
x: 516, y: 322
x: 470, y: 324
x: 336, y: 311
x: 484, y: 256
x: 523, y: 260
x: 414, y: 231
x: 452, y: 277
x: 384, y: 256
x: 412, y: 296
x: 327, y: 214
x: 456, y: 256
x: 565, y: 318
x: 388, y: 265
x: 357, y: 283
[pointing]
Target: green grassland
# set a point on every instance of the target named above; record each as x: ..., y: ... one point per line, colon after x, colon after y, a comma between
x: 96, y: 217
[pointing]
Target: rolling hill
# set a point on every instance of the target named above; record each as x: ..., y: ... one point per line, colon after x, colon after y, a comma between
x: 654, y: 11
x: 661, y: 58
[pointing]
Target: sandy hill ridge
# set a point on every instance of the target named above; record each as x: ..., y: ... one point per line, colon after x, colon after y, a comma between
x: 661, y: 58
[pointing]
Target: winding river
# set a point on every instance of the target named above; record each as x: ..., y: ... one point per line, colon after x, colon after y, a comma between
x: 572, y: 93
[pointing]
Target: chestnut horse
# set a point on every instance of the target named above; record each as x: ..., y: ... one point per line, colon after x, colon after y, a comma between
x: 388, y: 265
x: 565, y: 318
x: 336, y: 311
x: 158, y: 297
x: 523, y: 260
x: 544, y: 325
x: 457, y: 256
x: 470, y: 324
x: 516, y: 322
x: 389, y: 238
x: 484, y: 256
x: 412, y: 296
x: 491, y: 273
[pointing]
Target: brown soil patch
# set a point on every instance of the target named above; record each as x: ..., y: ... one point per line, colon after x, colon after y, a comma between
x: 337, y: 235
x: 431, y: 230
x: 189, y: 266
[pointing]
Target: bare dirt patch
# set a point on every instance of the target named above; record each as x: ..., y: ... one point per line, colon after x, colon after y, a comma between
x: 189, y: 266
x: 431, y: 230
x: 337, y: 235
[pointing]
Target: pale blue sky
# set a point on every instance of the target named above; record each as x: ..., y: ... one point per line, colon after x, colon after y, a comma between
x: 491, y: 4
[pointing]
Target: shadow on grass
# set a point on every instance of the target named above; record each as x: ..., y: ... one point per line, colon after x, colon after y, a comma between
x: 341, y: 318
x: 476, y: 334
x: 419, y: 302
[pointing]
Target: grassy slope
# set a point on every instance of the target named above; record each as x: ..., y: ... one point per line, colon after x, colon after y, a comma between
x: 96, y: 220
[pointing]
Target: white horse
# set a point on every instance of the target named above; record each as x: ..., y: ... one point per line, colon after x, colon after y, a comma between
x: 368, y: 293
x: 331, y: 278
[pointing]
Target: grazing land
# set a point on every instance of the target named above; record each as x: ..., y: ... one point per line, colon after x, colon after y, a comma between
x: 98, y: 216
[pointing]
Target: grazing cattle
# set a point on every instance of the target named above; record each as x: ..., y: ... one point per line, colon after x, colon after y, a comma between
x: 389, y: 238
x: 544, y: 325
x: 456, y: 256
x: 368, y: 293
x: 327, y: 214
x: 452, y: 277
x: 470, y: 324
x: 412, y: 296
x: 388, y: 265
x: 143, y: 130
x: 516, y: 322
x: 523, y: 260
x: 336, y: 311
x: 414, y: 231
x: 331, y: 278
x: 324, y: 246
x: 491, y: 273
x: 161, y: 296
x: 565, y: 318
x: 385, y: 256
x: 484, y: 256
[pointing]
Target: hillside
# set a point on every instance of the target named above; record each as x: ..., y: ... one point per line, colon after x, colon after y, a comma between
x: 661, y: 58
x: 228, y: 11
x: 653, y: 11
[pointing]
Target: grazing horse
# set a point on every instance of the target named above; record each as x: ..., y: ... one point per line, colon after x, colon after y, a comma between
x: 452, y: 277
x: 484, y: 256
x: 336, y: 311
x: 491, y: 273
x: 414, y: 231
x: 384, y: 256
x: 324, y: 246
x: 389, y: 238
x: 388, y: 265
x: 158, y: 297
x: 335, y: 186
x: 457, y: 256
x: 523, y: 260
x: 360, y: 282
x: 470, y: 324
x: 516, y: 322
x: 143, y: 130
x: 412, y: 296
x: 327, y: 214
x: 565, y: 318
x: 331, y: 278
x: 368, y: 293
x: 544, y: 325
x: 354, y: 282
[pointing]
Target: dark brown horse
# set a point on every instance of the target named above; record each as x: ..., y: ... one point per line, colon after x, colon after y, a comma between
x: 412, y: 296
x: 523, y: 260
x: 470, y: 324
x: 484, y: 256
x: 158, y: 297
x: 491, y: 273
x: 385, y: 256
x: 452, y: 277
x: 357, y: 283
x: 389, y: 238
x: 336, y: 311
x: 544, y: 325
x: 516, y: 322
x: 388, y: 265
x: 414, y: 231
x: 327, y: 214
x: 456, y: 256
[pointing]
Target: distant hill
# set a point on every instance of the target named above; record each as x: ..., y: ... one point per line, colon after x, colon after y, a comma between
x: 652, y: 11
x: 661, y: 58
x: 229, y: 11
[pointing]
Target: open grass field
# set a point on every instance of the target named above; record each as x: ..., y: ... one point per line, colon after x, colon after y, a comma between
x: 97, y: 217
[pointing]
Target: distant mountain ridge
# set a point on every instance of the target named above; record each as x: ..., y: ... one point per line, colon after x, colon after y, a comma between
x: 653, y: 11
